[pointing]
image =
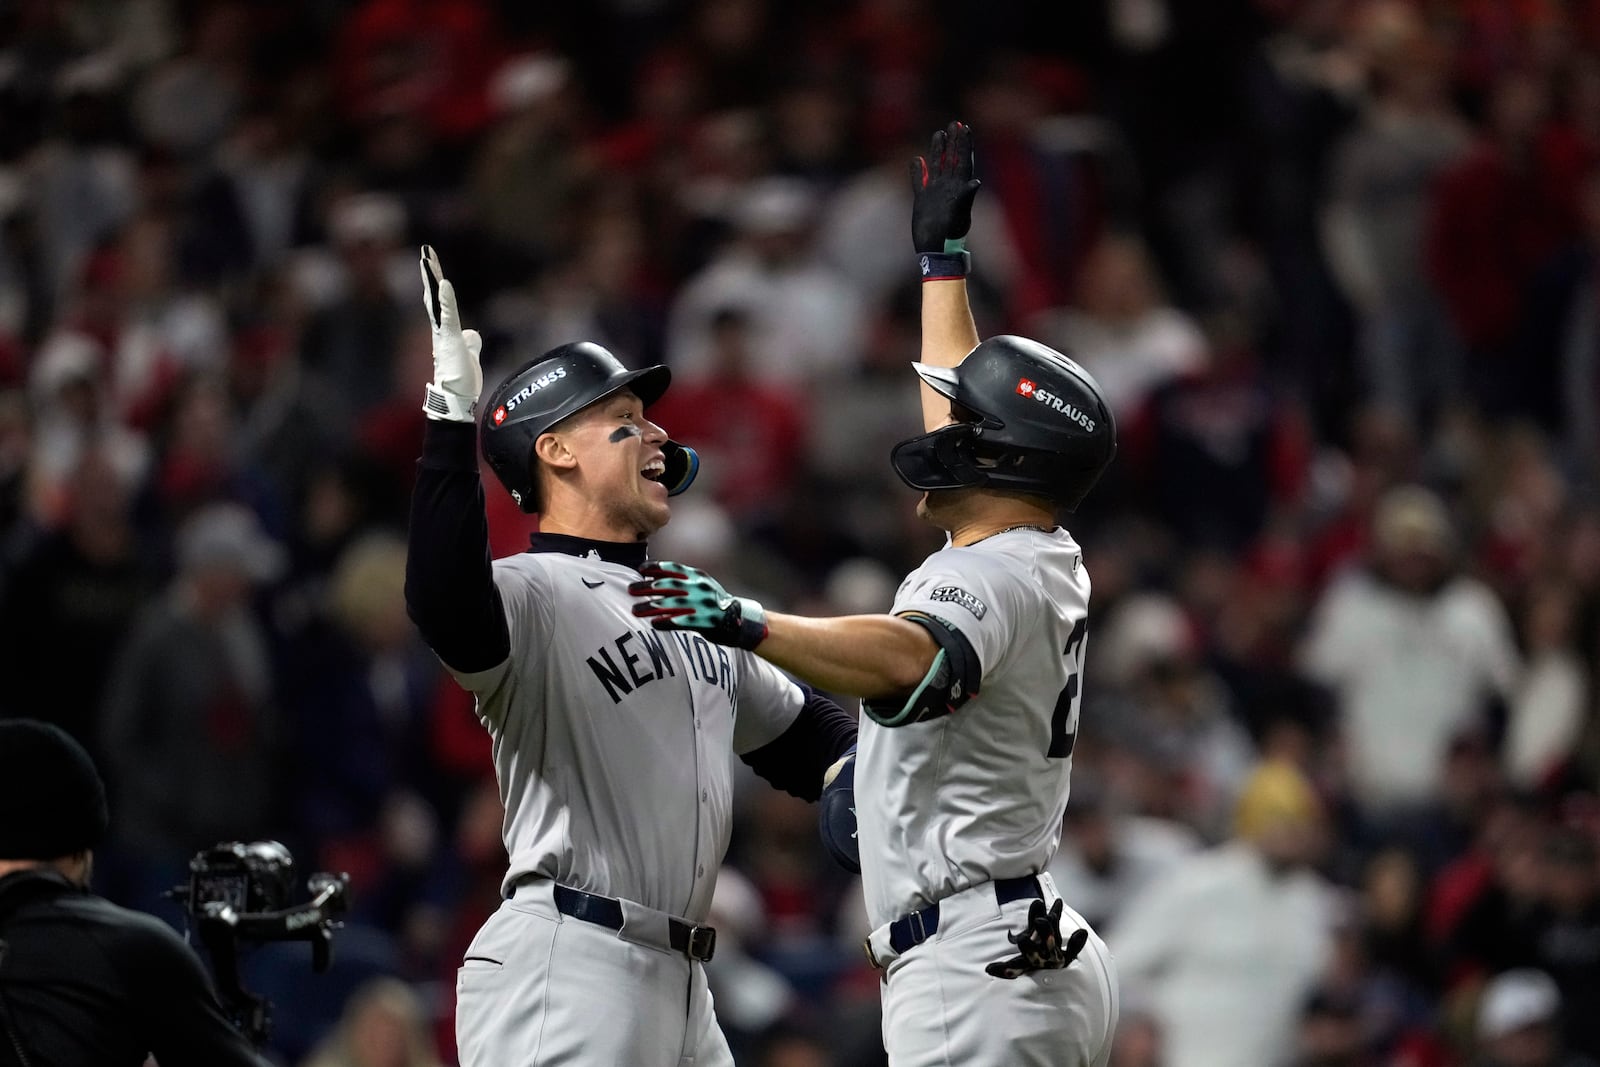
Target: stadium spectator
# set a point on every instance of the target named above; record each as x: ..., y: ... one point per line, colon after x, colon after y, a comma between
x: 1228, y: 990
x: 804, y: 323
x: 1415, y: 651
x: 384, y: 1025
x: 1516, y: 1023
x: 191, y: 729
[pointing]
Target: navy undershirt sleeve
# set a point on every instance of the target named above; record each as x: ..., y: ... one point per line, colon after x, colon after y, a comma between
x: 450, y: 590
x: 796, y: 759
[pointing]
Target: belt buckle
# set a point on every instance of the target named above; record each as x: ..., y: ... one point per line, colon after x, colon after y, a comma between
x: 702, y: 943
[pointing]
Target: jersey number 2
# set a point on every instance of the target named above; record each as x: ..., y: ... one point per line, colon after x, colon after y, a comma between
x: 1064, y: 724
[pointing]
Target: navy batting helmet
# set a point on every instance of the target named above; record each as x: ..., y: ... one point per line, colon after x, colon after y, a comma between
x: 546, y: 390
x: 1038, y: 424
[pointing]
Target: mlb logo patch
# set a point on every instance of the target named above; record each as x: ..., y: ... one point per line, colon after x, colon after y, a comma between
x: 499, y: 416
x: 1025, y: 387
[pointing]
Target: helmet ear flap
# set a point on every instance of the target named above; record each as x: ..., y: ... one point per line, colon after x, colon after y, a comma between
x: 683, y: 463
x: 941, y: 459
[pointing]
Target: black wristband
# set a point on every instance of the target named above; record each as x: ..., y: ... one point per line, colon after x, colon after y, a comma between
x: 944, y: 266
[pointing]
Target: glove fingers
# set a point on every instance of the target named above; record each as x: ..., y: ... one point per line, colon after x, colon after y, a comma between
x: 961, y: 149
x: 474, y: 342
x: 919, y: 175
x: 1008, y: 969
x: 661, y: 568
x: 1056, y: 910
x: 658, y: 588
x: 1075, y: 943
x: 669, y: 590
x: 428, y: 264
x: 449, y: 317
x: 940, y: 153
x: 657, y: 610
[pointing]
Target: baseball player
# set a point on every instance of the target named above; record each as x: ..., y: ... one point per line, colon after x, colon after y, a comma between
x: 611, y: 740
x: 971, y: 685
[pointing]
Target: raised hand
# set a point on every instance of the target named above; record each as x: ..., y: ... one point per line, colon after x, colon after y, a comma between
x: 452, y: 396
x: 942, y: 191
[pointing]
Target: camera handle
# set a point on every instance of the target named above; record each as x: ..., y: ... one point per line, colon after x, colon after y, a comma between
x: 222, y: 927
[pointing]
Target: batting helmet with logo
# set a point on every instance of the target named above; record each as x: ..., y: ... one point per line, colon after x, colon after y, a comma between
x: 546, y: 390
x: 1033, y: 421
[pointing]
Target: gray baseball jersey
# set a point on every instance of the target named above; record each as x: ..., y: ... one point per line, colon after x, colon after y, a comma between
x: 612, y: 740
x: 967, y: 798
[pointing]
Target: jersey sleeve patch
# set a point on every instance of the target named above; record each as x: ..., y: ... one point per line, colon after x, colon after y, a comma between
x: 954, y: 594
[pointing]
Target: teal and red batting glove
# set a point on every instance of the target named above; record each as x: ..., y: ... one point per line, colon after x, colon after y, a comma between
x: 675, y: 596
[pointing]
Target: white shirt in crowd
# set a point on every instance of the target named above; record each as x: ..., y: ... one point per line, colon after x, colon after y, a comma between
x: 1410, y: 674
x: 1226, y: 952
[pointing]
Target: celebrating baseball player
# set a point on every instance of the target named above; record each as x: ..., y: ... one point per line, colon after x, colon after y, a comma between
x: 971, y: 685
x: 611, y: 739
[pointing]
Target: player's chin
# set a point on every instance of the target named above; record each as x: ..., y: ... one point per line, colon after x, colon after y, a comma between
x: 654, y: 495
x: 653, y: 509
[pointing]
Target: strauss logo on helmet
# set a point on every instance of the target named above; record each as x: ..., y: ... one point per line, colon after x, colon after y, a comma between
x: 1026, y: 387
x: 534, y: 386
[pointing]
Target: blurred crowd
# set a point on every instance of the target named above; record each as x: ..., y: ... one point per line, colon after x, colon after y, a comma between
x: 1336, y: 264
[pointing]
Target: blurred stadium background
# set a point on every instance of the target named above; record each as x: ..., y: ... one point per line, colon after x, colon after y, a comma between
x: 1336, y: 263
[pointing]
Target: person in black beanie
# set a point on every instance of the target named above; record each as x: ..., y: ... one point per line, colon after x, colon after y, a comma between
x: 82, y: 981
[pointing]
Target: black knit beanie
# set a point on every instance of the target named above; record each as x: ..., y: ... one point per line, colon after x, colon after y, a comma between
x: 52, y: 801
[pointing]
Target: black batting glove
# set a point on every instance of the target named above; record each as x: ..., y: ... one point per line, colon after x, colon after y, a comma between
x: 1039, y: 945
x: 675, y: 596
x: 942, y: 191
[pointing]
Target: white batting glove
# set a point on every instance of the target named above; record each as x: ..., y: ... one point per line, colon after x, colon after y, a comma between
x: 452, y: 396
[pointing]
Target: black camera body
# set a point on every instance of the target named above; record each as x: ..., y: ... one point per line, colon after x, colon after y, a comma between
x: 241, y: 894
x: 257, y: 877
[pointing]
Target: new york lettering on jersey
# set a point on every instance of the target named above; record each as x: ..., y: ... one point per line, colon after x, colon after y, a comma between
x: 613, y: 740
x: 639, y: 656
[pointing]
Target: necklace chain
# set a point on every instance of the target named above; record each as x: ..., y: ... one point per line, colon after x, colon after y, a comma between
x: 1019, y: 526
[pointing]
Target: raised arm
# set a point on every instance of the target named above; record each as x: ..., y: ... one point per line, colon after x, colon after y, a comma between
x: 942, y: 191
x: 450, y: 590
